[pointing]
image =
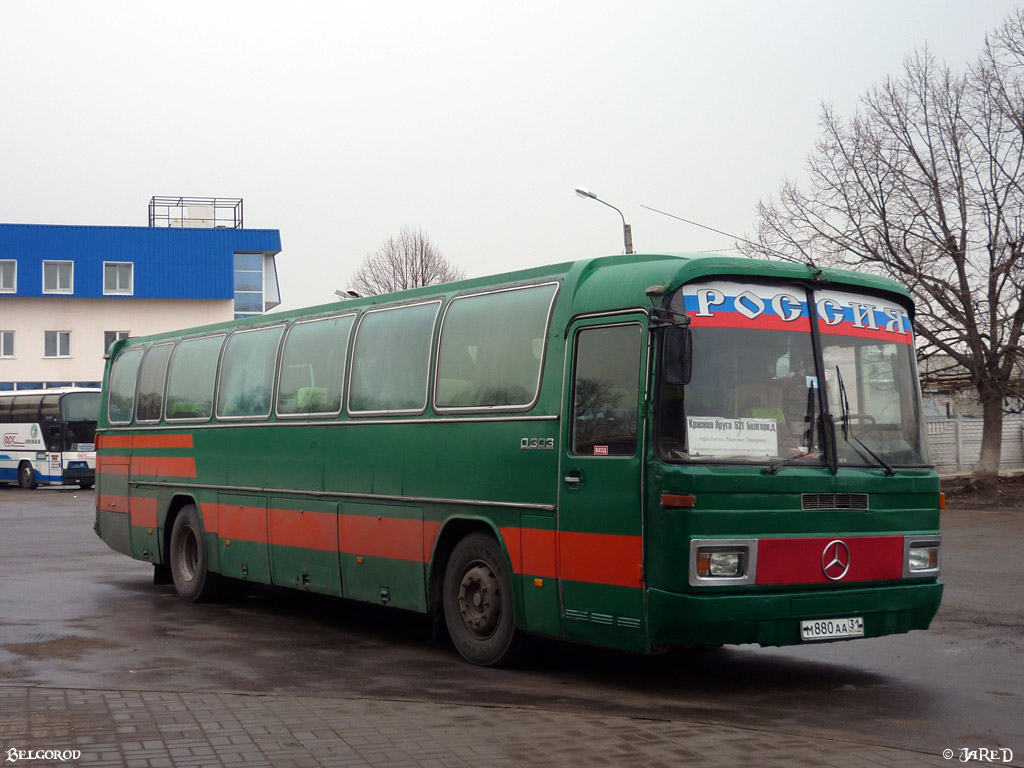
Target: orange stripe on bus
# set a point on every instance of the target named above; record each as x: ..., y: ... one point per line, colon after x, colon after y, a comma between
x: 164, y: 466
x: 113, y: 441
x: 143, y: 512
x: 162, y: 441
x: 239, y: 522
x: 600, y: 558
x: 540, y: 552
x: 104, y: 466
x: 430, y: 534
x: 311, y: 530
x: 391, y: 537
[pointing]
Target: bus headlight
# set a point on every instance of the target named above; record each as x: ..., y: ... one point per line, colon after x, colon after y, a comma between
x: 722, y: 561
x: 921, y: 556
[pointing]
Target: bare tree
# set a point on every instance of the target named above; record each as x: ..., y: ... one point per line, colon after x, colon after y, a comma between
x: 924, y: 184
x: 408, y: 260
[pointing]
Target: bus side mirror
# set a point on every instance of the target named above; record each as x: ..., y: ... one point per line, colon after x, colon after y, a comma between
x: 677, y: 355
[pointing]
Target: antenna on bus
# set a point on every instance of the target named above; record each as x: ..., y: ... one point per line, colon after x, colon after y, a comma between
x: 785, y: 257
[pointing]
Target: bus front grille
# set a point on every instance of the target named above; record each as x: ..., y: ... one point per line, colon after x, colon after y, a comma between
x: 834, y: 501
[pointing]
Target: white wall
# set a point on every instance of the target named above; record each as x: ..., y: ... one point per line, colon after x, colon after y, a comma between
x: 87, y: 319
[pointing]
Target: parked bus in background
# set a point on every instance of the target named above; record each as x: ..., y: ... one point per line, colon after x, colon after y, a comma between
x: 636, y: 451
x: 49, y: 436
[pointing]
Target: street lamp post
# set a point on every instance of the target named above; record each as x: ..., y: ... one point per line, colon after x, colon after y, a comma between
x: 627, y: 233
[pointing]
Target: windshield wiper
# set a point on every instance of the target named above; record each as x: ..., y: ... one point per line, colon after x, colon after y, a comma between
x: 844, y: 405
x: 773, y: 468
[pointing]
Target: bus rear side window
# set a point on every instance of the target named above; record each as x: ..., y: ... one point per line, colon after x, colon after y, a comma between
x: 313, y: 367
x: 151, y: 382
x: 247, y: 376
x: 193, y: 374
x: 491, y: 349
x: 391, y: 360
x: 121, y: 404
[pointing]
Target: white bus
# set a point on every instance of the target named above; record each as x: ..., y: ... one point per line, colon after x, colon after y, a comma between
x: 48, y: 437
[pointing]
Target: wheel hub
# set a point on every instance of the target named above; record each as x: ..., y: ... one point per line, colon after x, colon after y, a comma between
x: 480, y: 600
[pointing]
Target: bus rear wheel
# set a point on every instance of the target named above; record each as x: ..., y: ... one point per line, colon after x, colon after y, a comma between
x: 27, y: 476
x: 477, y: 597
x: 192, y: 580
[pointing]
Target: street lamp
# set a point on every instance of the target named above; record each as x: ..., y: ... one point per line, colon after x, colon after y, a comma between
x: 627, y: 233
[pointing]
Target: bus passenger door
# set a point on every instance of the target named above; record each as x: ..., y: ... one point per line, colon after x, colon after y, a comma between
x: 600, y: 526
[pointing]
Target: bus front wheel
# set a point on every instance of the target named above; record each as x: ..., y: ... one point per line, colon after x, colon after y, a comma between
x: 478, y: 602
x: 26, y: 476
x: 192, y: 580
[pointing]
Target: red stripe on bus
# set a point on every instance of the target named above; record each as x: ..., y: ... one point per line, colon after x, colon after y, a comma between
x: 430, y: 534
x: 534, y: 552
x: 235, y: 521
x: 164, y: 466
x: 143, y: 512
x: 311, y: 530
x: 803, y: 560
x: 391, y: 537
x: 600, y: 558
x: 162, y: 441
x: 108, y: 465
x: 114, y: 441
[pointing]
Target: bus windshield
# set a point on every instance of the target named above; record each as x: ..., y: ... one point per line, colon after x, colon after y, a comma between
x: 753, y: 395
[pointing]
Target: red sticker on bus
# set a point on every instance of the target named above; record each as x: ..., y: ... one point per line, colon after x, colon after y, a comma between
x: 600, y: 450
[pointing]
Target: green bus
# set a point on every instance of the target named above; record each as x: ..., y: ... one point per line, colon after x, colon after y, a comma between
x: 640, y: 451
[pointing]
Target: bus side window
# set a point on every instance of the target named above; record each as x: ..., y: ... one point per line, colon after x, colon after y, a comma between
x: 606, y: 388
x: 313, y: 367
x: 151, y: 382
x: 391, y: 360
x: 192, y: 377
x: 491, y: 348
x: 121, y: 403
x: 247, y: 376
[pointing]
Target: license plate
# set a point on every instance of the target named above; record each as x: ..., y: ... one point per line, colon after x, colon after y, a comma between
x: 831, y: 629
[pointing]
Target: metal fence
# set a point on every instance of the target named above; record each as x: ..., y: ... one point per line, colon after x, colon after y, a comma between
x: 955, y: 444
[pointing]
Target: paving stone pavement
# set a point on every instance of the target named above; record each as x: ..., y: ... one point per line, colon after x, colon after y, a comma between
x: 151, y: 729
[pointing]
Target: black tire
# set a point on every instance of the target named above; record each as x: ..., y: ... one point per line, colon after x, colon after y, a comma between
x: 85, y: 485
x: 478, y: 603
x: 27, y: 476
x: 192, y: 580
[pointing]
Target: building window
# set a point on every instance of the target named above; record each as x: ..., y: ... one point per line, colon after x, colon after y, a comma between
x: 109, y: 337
x: 8, y: 276
x: 248, y: 284
x: 117, y: 278
x: 6, y: 343
x: 58, y: 277
x: 57, y: 344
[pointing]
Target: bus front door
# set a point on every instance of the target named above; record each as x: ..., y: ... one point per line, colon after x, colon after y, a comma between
x: 600, y: 544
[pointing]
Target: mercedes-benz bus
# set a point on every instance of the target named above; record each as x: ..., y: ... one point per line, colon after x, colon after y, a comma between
x: 638, y: 451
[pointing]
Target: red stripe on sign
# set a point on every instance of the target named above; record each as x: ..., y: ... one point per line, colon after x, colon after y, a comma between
x: 143, y: 512
x: 848, y: 329
x: 164, y: 466
x: 802, y: 561
x: 764, y: 322
x: 600, y: 558
x: 312, y: 530
x: 390, y: 537
x: 162, y: 441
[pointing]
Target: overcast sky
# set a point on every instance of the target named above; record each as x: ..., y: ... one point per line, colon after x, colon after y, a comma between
x: 339, y: 123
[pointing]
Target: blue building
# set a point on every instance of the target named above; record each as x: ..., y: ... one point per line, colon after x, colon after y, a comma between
x: 68, y: 292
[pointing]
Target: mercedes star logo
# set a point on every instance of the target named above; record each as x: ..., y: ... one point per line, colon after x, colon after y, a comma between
x: 835, y: 560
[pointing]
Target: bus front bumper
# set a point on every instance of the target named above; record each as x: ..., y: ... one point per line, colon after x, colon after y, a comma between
x: 773, y: 618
